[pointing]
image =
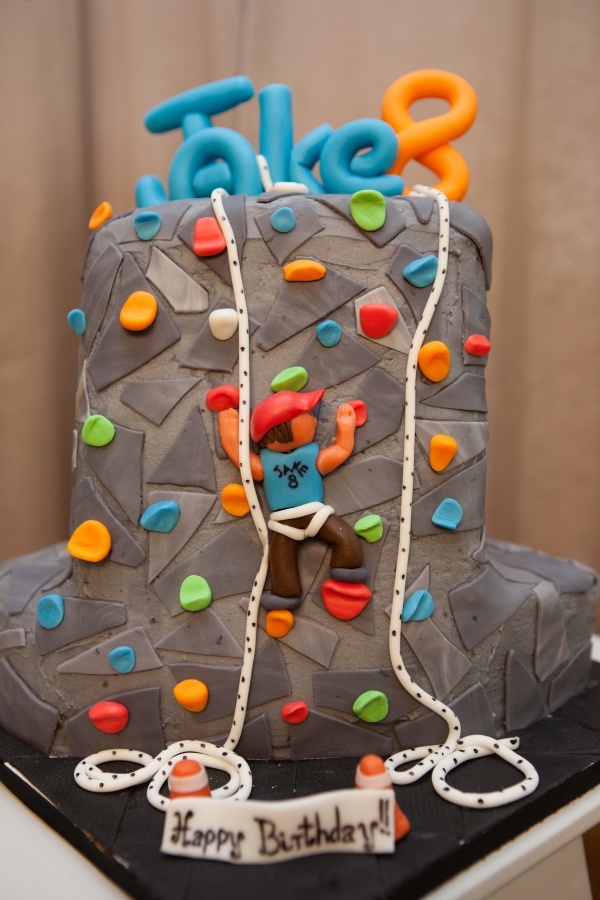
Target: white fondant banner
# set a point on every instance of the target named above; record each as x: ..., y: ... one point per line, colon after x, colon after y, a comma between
x: 351, y: 821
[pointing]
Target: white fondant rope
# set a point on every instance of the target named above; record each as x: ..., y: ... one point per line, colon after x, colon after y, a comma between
x: 87, y: 773
x: 444, y: 757
x: 156, y: 770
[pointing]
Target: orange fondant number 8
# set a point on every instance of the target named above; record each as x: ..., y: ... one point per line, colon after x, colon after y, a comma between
x: 427, y: 141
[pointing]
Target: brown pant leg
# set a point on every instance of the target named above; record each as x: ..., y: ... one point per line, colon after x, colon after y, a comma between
x: 346, y: 549
x: 283, y: 562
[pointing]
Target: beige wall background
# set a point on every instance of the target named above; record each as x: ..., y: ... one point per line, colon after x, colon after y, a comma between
x: 76, y: 77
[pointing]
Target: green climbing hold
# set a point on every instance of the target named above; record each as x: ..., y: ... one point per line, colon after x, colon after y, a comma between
x: 368, y: 209
x: 97, y: 431
x: 195, y: 593
x: 292, y: 379
x: 372, y: 706
x: 370, y: 528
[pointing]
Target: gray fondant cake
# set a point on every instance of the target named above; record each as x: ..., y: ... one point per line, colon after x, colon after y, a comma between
x: 498, y: 632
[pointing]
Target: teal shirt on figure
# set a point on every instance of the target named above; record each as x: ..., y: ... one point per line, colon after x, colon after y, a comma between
x: 292, y: 479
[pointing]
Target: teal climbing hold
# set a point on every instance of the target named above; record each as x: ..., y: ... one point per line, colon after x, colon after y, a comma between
x: 292, y: 379
x: 448, y: 514
x: 50, y: 610
x: 283, y: 220
x: 76, y: 320
x: 329, y: 333
x: 162, y: 516
x: 122, y: 659
x: 368, y: 209
x: 372, y: 706
x: 421, y: 272
x: 147, y: 224
x: 418, y: 607
x: 97, y: 431
x: 195, y: 593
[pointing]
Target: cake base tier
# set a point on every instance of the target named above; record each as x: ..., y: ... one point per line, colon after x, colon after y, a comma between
x: 121, y: 833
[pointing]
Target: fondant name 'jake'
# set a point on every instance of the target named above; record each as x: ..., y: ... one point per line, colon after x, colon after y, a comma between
x: 258, y: 832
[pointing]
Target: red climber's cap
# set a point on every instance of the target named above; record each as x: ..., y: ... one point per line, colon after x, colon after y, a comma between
x: 280, y: 408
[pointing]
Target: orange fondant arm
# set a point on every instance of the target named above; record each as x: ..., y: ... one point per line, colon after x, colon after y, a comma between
x: 333, y: 456
x: 229, y: 431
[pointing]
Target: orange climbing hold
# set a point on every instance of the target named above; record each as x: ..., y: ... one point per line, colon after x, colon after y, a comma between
x: 233, y: 500
x: 304, y: 270
x: 191, y: 694
x: 90, y: 541
x: 279, y: 622
x: 139, y: 311
x: 101, y: 214
x: 434, y: 360
x: 442, y: 450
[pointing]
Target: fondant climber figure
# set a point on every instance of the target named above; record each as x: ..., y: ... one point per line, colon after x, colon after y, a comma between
x: 292, y: 465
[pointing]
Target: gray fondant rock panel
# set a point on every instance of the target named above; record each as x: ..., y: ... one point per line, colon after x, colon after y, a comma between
x: 155, y: 399
x: 306, y: 636
x: 300, y: 304
x: 188, y: 462
x: 95, y: 660
x: 444, y: 664
x: 466, y: 393
x: 471, y: 437
x: 10, y: 638
x: 183, y: 294
x: 282, y: 245
x: 472, y: 708
x: 323, y: 736
x: 30, y: 576
x: 484, y: 604
x: 142, y: 732
x: 551, y: 648
x: 82, y: 619
x: 327, y: 366
x: 118, y: 465
x: 86, y: 504
x: 468, y: 488
x: 363, y: 484
x: 229, y: 563
x: 204, y: 634
x: 524, y: 703
x: 96, y: 291
x: 23, y: 714
x: 207, y: 352
x: 338, y: 689
x: 164, y: 546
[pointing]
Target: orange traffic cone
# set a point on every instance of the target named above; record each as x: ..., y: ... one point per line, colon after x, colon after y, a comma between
x: 188, y: 778
x: 371, y: 774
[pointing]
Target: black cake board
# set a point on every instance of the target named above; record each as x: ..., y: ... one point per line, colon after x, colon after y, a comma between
x: 121, y: 833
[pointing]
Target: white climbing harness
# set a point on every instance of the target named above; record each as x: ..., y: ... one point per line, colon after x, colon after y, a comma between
x: 319, y: 512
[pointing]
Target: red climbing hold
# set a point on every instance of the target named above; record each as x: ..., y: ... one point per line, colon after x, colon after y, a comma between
x: 377, y: 319
x: 222, y: 397
x: 344, y: 599
x: 208, y: 237
x: 109, y: 716
x: 477, y: 345
x: 294, y: 712
x: 360, y: 410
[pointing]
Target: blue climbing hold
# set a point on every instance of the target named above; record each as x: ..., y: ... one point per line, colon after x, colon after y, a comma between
x: 421, y: 272
x: 329, y: 333
x: 418, y: 607
x: 122, y: 659
x: 147, y: 224
x: 283, y: 219
x: 162, y: 516
x: 50, y: 610
x: 448, y: 514
x: 76, y: 320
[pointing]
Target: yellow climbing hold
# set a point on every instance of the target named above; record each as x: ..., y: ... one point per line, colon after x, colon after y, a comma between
x: 90, y: 541
x: 191, y: 694
x: 233, y: 500
x: 434, y: 360
x: 304, y: 270
x: 139, y: 311
x: 101, y: 214
x: 279, y: 622
x: 442, y: 450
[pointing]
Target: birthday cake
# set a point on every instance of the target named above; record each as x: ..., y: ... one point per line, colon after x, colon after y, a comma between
x: 277, y: 537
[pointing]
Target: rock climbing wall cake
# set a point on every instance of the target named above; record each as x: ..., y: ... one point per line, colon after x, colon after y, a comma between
x: 238, y: 533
